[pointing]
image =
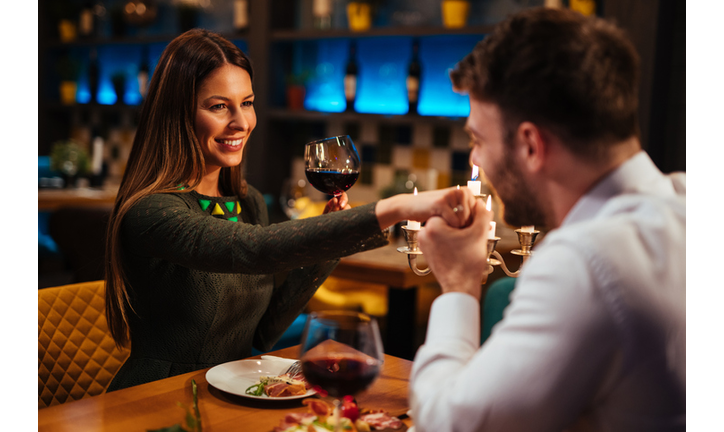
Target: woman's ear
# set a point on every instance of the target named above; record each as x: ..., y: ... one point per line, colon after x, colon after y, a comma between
x: 531, y: 146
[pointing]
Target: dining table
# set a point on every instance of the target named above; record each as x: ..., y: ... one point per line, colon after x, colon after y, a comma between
x: 155, y: 405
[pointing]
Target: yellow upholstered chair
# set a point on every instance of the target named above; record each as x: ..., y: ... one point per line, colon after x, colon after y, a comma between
x: 77, y: 356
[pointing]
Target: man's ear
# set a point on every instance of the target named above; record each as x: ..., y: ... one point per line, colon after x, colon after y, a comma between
x: 531, y: 146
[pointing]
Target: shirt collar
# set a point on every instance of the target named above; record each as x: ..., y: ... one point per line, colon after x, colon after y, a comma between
x: 637, y: 174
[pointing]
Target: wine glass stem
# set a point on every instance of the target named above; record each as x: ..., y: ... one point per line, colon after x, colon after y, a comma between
x: 337, y: 413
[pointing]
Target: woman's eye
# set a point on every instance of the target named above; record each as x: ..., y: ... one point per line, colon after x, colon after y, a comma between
x: 217, y: 107
x: 248, y: 103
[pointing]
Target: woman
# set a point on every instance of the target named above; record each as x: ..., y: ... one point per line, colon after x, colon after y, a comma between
x: 196, y: 275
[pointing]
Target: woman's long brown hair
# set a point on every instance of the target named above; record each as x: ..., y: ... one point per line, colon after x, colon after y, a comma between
x: 165, y: 150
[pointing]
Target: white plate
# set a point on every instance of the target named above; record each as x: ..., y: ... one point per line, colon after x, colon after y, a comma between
x: 236, y: 376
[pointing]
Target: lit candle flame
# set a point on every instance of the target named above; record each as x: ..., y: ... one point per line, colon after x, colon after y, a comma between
x: 415, y: 191
x: 475, y: 173
x: 488, y: 204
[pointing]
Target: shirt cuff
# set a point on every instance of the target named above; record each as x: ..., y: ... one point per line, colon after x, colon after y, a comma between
x: 454, y: 316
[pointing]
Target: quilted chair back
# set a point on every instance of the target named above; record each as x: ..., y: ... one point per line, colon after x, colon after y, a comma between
x: 77, y: 356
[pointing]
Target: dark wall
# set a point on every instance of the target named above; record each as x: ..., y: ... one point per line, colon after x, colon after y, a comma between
x: 658, y: 30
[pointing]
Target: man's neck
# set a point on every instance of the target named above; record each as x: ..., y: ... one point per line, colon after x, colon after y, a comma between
x: 571, y: 177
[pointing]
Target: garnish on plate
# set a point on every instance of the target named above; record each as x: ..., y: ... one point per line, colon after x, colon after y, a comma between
x: 320, y: 417
x: 279, y: 386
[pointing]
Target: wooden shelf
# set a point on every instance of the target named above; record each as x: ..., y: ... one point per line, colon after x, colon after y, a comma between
x: 292, y: 35
x: 115, y: 108
x: 285, y: 114
x: 131, y: 40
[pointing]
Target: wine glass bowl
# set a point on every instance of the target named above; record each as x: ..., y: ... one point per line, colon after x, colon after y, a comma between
x: 294, y: 199
x: 332, y: 164
x: 341, y: 352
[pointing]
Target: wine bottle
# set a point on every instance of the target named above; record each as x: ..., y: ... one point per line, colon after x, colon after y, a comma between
x: 413, y: 78
x: 322, y: 11
x: 86, y: 20
x: 93, y: 75
x: 241, y: 15
x: 350, y: 77
x: 143, y: 73
x: 97, y: 160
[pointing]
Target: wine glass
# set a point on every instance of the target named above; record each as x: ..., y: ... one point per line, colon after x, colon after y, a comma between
x: 294, y: 198
x: 332, y: 164
x: 341, y: 353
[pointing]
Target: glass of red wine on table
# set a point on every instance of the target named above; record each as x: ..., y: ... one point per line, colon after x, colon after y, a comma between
x: 332, y: 164
x: 341, y: 354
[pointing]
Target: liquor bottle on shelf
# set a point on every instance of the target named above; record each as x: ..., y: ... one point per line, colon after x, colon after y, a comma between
x: 350, y: 77
x: 322, y: 11
x: 90, y: 19
x: 93, y: 75
x: 86, y: 20
x: 414, y: 72
x: 143, y: 73
x: 241, y: 15
x: 97, y: 160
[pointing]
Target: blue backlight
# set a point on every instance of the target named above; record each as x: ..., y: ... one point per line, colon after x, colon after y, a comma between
x: 438, y: 55
x: 382, y: 72
x: 383, y: 66
x: 122, y: 60
x: 327, y: 60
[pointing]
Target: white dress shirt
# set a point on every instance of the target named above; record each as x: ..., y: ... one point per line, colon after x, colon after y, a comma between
x: 595, y: 336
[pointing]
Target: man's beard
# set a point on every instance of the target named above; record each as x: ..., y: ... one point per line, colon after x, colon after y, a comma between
x: 521, y: 206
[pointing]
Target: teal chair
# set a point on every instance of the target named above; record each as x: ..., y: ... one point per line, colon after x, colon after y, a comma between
x: 292, y: 336
x: 497, y: 298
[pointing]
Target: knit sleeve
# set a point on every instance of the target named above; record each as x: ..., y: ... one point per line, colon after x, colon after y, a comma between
x: 165, y: 226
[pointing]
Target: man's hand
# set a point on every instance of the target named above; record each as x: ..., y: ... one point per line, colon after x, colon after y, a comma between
x: 337, y: 204
x: 457, y: 256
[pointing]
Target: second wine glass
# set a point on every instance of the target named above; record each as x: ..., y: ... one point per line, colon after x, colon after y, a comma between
x: 341, y: 353
x: 332, y: 164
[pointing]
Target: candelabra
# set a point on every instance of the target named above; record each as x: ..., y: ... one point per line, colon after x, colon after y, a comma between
x: 526, y: 238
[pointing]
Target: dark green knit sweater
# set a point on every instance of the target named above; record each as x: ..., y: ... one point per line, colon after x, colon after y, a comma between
x: 209, y: 277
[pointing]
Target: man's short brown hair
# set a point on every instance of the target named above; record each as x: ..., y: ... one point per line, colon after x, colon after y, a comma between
x: 573, y: 75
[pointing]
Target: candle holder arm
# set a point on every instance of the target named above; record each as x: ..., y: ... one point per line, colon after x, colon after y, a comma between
x: 412, y: 261
x: 503, y: 266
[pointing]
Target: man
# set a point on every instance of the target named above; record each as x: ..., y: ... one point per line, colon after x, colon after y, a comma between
x: 594, y: 338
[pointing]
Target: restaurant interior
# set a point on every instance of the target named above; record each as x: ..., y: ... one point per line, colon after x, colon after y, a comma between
x: 95, y: 60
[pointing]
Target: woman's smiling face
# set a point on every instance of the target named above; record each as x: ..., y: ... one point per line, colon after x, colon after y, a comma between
x: 225, y: 116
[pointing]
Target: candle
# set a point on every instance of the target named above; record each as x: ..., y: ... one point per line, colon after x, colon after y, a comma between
x: 491, y: 232
x: 527, y: 228
x: 473, y: 184
x: 411, y: 224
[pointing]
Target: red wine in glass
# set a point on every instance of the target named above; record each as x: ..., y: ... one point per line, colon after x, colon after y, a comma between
x: 331, y: 182
x: 341, y: 375
x: 332, y: 164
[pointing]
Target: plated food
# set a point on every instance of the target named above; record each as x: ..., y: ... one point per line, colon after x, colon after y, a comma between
x: 237, y: 376
x: 320, y: 417
x: 279, y: 386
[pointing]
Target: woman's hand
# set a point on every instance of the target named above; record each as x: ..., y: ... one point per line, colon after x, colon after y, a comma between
x: 337, y: 204
x: 452, y: 204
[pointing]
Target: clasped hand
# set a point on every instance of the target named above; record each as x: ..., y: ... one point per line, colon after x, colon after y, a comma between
x: 457, y: 256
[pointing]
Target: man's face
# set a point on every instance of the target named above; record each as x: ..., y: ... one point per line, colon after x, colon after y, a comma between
x: 498, y: 162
